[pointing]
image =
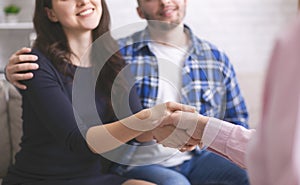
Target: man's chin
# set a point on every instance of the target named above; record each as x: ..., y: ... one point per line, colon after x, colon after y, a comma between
x: 163, y: 25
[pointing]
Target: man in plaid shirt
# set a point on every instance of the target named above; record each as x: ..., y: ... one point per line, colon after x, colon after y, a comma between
x: 171, y: 64
x: 208, y: 79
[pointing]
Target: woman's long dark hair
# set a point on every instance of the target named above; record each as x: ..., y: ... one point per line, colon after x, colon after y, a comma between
x: 52, y: 42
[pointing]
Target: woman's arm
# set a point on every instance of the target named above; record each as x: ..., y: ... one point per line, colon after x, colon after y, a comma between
x: 48, y: 102
x: 114, y: 134
x: 122, y: 131
x: 145, y: 137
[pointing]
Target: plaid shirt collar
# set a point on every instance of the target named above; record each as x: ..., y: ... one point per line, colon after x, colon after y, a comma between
x: 144, y: 40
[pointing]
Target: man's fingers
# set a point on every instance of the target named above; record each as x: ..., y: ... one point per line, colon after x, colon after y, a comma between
x: 27, y: 58
x: 15, y: 78
x: 19, y: 63
x: 22, y: 56
x: 19, y: 85
x: 20, y: 76
x: 15, y: 59
x: 23, y: 50
x: 17, y: 68
x: 14, y: 72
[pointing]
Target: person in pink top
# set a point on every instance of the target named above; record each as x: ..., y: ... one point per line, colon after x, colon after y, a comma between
x: 272, y: 152
x: 274, y: 155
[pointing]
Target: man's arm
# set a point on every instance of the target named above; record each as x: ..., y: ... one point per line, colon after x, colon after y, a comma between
x: 18, y: 64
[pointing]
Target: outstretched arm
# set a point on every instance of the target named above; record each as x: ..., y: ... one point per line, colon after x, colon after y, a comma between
x: 228, y: 140
x: 221, y: 137
x: 122, y: 131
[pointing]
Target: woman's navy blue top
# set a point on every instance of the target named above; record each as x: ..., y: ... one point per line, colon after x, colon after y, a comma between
x: 55, y: 121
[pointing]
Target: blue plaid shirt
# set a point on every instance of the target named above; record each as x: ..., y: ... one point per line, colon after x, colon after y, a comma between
x: 208, y: 79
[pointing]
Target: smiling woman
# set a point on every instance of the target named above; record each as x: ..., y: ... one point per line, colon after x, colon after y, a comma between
x: 54, y: 150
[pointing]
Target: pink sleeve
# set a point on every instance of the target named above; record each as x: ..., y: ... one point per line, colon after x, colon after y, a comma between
x: 227, y: 139
x: 274, y: 154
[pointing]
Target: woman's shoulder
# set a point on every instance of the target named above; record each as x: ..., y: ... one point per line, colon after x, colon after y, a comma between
x: 42, y: 61
x: 39, y: 54
x: 46, y: 67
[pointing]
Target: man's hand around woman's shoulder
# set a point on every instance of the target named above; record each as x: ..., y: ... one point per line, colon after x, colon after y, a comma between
x: 18, y: 66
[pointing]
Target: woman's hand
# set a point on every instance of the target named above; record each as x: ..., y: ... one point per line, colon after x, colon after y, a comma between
x: 149, y: 119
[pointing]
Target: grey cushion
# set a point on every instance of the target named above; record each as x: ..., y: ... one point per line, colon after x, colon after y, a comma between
x: 15, y: 119
x: 5, y: 145
x: 10, y: 124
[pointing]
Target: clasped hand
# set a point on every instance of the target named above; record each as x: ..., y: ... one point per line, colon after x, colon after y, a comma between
x: 172, y: 124
x: 181, y: 130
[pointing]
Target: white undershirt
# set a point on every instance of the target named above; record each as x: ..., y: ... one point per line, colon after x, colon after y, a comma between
x: 170, y: 63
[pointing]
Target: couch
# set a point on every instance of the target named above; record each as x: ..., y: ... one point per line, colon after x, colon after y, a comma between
x: 10, y: 125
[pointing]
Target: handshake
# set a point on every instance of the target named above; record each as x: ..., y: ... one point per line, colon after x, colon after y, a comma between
x: 171, y: 124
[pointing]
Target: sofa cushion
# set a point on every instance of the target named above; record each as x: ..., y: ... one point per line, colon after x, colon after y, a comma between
x: 5, y: 145
x: 10, y: 124
x: 15, y: 119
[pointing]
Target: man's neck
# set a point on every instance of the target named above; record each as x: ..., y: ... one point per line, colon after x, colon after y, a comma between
x: 174, y: 36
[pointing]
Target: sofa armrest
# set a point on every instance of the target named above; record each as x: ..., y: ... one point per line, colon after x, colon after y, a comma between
x: 15, y: 119
x: 10, y: 124
x: 5, y: 144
